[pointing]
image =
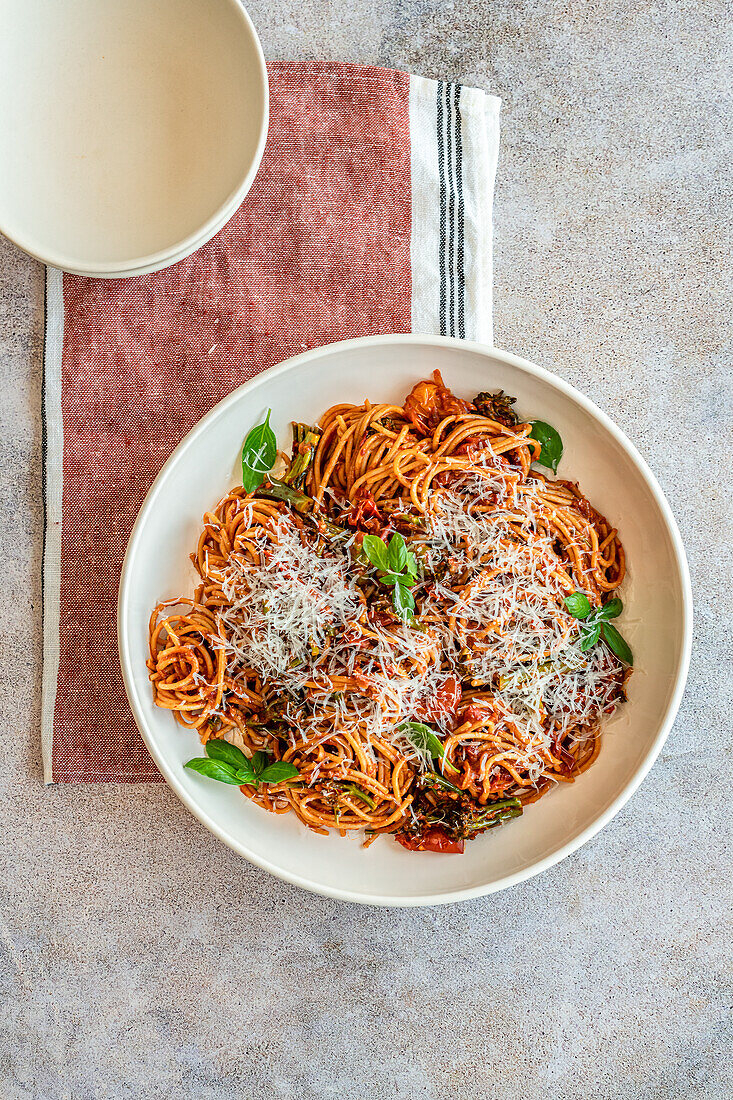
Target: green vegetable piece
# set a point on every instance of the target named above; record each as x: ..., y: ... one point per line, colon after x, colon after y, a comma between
x: 551, y: 443
x: 217, y: 769
x: 357, y: 792
x: 376, y: 551
x: 616, y: 643
x: 278, y: 772
x: 505, y: 804
x: 274, y: 489
x: 441, y: 781
x: 258, y: 454
x: 305, y: 441
x: 497, y: 406
x: 578, y: 605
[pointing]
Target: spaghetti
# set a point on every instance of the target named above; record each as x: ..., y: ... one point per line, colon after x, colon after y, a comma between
x: 390, y: 618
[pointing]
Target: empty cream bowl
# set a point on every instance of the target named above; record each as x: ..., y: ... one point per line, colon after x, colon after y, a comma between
x: 130, y: 130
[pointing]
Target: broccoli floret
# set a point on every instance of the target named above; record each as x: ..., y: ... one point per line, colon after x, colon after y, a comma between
x: 497, y: 406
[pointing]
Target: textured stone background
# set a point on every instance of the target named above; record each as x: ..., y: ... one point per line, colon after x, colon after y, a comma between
x: 140, y: 957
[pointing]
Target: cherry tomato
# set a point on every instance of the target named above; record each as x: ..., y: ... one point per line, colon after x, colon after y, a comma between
x: 432, y: 839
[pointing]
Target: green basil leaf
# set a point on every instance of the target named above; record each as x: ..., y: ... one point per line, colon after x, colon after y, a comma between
x: 578, y: 605
x: 376, y: 551
x: 259, y: 761
x: 217, y: 749
x: 359, y: 793
x: 247, y: 777
x: 590, y: 637
x: 215, y: 769
x: 397, y: 553
x: 411, y: 566
x: 398, y: 578
x: 403, y: 601
x: 423, y: 739
x: 258, y: 454
x: 277, y: 772
x: 391, y: 578
x: 616, y: 643
x: 551, y: 443
x: 610, y: 610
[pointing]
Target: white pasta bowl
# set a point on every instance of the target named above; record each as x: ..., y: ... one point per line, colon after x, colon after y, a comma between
x: 130, y: 131
x: 657, y: 618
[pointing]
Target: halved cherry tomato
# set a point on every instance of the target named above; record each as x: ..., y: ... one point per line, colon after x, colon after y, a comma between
x: 443, y: 704
x: 365, y: 514
x: 432, y: 839
x: 430, y: 402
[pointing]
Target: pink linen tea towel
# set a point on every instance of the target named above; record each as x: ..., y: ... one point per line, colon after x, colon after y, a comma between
x: 371, y: 213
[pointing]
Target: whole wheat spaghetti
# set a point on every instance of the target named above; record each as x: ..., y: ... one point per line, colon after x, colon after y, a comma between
x: 413, y: 617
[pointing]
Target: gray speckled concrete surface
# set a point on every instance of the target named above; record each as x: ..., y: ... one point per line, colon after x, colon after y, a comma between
x: 140, y: 957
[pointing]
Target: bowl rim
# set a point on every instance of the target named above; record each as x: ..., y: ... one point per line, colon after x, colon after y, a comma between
x: 394, y: 901
x: 166, y: 257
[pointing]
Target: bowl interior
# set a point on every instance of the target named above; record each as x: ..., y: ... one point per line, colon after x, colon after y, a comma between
x: 125, y: 127
x: 655, y: 619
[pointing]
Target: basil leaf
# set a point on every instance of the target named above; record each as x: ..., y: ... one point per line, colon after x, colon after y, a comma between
x: 376, y: 551
x: 590, y: 637
x: 391, y: 578
x: 610, y: 610
x: 359, y: 793
x: 578, y: 605
x: 411, y: 566
x: 247, y: 777
x: 422, y: 738
x: 398, y: 578
x: 397, y: 553
x: 616, y: 643
x: 551, y: 443
x: 258, y: 762
x: 403, y: 600
x: 277, y: 772
x: 258, y: 454
x: 216, y: 749
x: 216, y: 769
